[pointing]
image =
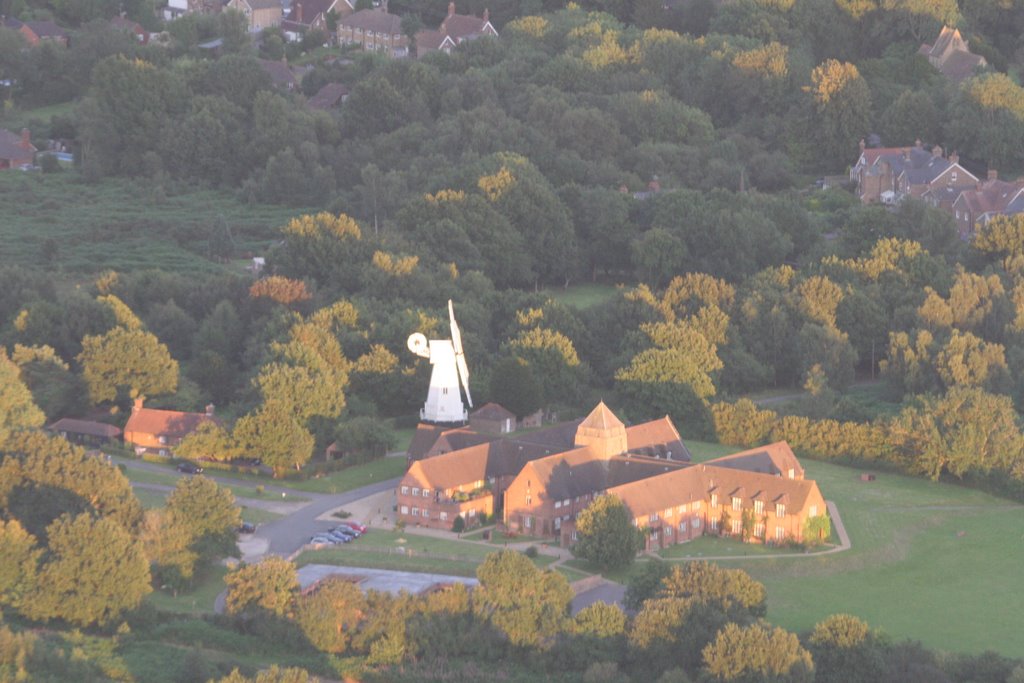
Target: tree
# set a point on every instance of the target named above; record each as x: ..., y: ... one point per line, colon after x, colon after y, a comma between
x: 757, y: 653
x: 209, y: 512
x: 330, y: 614
x: 645, y: 584
x: 671, y: 632
x: 273, y: 432
x: 270, y: 585
x: 987, y: 119
x: 209, y: 440
x: 841, y: 102
x: 124, y: 359
x: 274, y: 674
x: 845, y: 650
x: 94, y: 572
x: 529, y: 606
x: 514, y: 386
x: 606, y: 534
x: 21, y: 562
x: 709, y: 582
x: 55, y: 389
x: 17, y: 410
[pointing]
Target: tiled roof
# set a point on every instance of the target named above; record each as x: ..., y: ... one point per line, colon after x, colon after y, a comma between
x: 992, y: 196
x: 601, y: 419
x: 374, y: 20
x: 461, y: 26
x: 428, y: 39
x: 775, y: 459
x: 46, y: 29
x: 657, y: 438
x: 328, y: 96
x: 169, y: 423
x: 87, y: 427
x: 263, y: 4
x: 451, y: 469
x: 310, y: 10
x: 11, y: 146
x: 492, y: 411
x: 578, y: 472
x: 960, y: 65
x: 280, y: 73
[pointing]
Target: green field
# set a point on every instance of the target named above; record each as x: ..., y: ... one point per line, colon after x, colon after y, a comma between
x: 199, y: 600
x: 582, y: 296
x: 63, y: 224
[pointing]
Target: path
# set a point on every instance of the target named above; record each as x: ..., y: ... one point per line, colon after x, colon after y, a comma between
x: 277, y: 506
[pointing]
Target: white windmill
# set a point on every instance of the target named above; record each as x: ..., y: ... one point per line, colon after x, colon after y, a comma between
x: 444, y: 400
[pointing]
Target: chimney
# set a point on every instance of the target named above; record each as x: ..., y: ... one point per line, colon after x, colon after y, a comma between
x: 954, y: 158
x: 209, y: 410
x: 487, y: 14
x: 993, y: 174
x: 451, y: 8
x: 137, y: 404
x: 654, y: 185
x: 861, y: 145
x: 298, y: 12
x: 26, y: 138
x: 937, y: 152
x: 918, y: 143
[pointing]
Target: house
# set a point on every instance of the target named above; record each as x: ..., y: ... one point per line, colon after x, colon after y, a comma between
x: 479, y: 479
x: 282, y: 75
x: 431, y: 440
x: 85, y: 432
x: 951, y: 56
x: 454, y: 29
x: 259, y: 14
x: 977, y: 206
x: 177, y: 8
x: 36, y: 32
x: 121, y: 23
x: 890, y: 174
x: 492, y: 418
x: 313, y: 15
x: 331, y: 96
x: 157, y: 431
x: 374, y: 29
x: 16, y: 150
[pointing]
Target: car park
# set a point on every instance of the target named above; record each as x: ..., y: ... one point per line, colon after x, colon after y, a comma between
x: 321, y: 539
x: 189, y: 467
x: 348, y: 531
x: 355, y: 525
x: 340, y: 538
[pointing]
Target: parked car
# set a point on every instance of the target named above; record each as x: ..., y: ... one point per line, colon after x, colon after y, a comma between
x: 347, y: 530
x: 321, y: 539
x: 355, y: 525
x: 247, y: 528
x: 189, y: 468
x: 340, y: 538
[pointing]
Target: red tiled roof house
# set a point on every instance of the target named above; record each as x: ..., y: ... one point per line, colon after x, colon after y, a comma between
x: 157, y: 431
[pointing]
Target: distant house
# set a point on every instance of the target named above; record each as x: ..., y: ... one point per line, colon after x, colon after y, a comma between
x: 492, y: 418
x: 889, y: 174
x: 374, y: 29
x: 177, y: 8
x: 312, y: 15
x: 85, y: 432
x: 16, y: 150
x: 329, y: 97
x: 120, y: 23
x: 159, y: 431
x: 282, y: 75
x: 454, y: 30
x: 951, y: 55
x: 976, y: 207
x: 260, y: 14
x: 36, y: 32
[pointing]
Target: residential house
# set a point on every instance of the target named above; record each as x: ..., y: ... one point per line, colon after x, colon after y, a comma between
x: 260, y: 14
x: 331, y: 96
x: 314, y: 15
x: 431, y: 440
x: 374, y: 29
x: 282, y: 75
x: 455, y: 29
x: 478, y: 479
x: 177, y: 8
x: 157, y: 431
x: 951, y: 55
x: 492, y: 418
x: 36, y: 32
x: 16, y: 150
x: 977, y: 206
x: 85, y: 432
x: 122, y: 23
x: 888, y: 175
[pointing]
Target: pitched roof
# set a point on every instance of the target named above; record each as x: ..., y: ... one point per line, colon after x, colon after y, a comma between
x: 428, y: 39
x: 960, y: 65
x: 451, y: 469
x: 328, y: 96
x: 992, y: 196
x: 657, y: 438
x: 169, y: 423
x: 578, y: 472
x: 87, y: 427
x: 375, y: 20
x: 775, y: 459
x: 601, y: 419
x: 12, y: 146
x: 309, y: 10
x: 492, y: 411
x: 280, y: 73
x: 463, y: 26
x: 263, y: 4
x: 46, y: 29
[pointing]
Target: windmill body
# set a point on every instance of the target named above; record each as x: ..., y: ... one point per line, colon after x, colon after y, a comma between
x: 448, y: 371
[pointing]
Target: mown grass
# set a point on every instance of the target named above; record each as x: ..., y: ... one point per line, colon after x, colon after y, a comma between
x: 713, y: 546
x: 199, y: 600
x: 582, y: 296
x: 123, y: 224
x: 350, y: 478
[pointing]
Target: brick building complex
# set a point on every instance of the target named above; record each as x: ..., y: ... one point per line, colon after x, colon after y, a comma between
x: 537, y: 483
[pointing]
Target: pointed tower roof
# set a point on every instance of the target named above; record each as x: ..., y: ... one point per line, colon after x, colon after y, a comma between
x: 603, y: 432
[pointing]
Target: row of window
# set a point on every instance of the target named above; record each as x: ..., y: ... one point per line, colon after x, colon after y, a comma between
x: 415, y: 491
x: 416, y: 512
x: 737, y: 504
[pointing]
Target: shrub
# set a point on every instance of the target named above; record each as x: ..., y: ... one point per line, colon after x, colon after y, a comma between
x: 459, y: 525
x: 531, y: 552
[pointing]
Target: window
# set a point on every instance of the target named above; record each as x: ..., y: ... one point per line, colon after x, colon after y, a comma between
x: 405, y: 509
x: 529, y: 499
x: 714, y: 500
x: 558, y: 523
x: 696, y: 506
x: 415, y: 491
x: 426, y: 493
x: 426, y: 513
x: 162, y: 439
x: 958, y: 214
x: 681, y: 509
x: 558, y: 504
x: 472, y: 513
x: 737, y: 504
x: 527, y: 522
x: 714, y: 524
x: 682, y: 527
x: 668, y: 531
x: 696, y: 523
x: 575, y: 537
x: 736, y: 526
x: 651, y: 519
x: 780, y: 533
x: 443, y: 516
x: 759, y: 530
x: 953, y: 176
x: 780, y: 510
x: 814, y: 511
x: 668, y: 513
x: 792, y: 473
x: 163, y: 451
x: 759, y: 507
x: 405, y: 490
x: 415, y: 512
x: 654, y: 535
x: 566, y: 502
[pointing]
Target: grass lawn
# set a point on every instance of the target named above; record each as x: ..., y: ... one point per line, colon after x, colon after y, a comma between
x: 151, y: 499
x: 350, y: 478
x: 570, y: 573
x: 702, y: 450
x: 18, y: 118
x: 713, y: 546
x: 582, y: 296
x: 170, y: 478
x: 258, y: 515
x: 197, y: 601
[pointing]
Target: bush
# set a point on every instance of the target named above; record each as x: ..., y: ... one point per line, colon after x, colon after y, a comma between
x: 49, y: 163
x: 459, y: 525
x: 531, y: 552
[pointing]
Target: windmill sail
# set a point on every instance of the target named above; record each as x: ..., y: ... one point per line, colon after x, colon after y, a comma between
x: 448, y: 371
x: 460, y: 356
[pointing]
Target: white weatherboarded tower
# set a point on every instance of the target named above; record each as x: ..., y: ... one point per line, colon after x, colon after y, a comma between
x: 444, y: 399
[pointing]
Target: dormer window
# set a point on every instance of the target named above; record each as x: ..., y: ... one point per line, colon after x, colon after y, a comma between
x: 714, y: 500
x: 736, y: 503
x: 759, y: 507
x: 780, y: 510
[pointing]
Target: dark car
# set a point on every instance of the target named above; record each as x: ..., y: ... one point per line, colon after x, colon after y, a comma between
x: 247, y: 528
x: 189, y: 468
x: 355, y: 525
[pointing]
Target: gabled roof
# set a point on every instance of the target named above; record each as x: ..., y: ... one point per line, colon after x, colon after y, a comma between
x: 87, y: 427
x: 991, y: 196
x: 492, y: 411
x: 46, y: 29
x: 263, y: 4
x: 126, y: 24
x: 281, y: 74
x: 658, y: 439
x: 309, y: 10
x: 428, y: 39
x: 328, y: 96
x: 961, y: 65
x: 12, y: 146
x: 451, y: 469
x: 169, y: 423
x: 775, y: 459
x: 375, y: 20
x: 578, y: 472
